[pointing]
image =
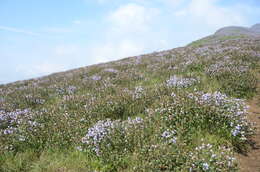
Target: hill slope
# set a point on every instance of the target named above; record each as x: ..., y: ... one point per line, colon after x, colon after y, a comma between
x: 256, y: 28
x: 235, y: 30
x: 177, y: 110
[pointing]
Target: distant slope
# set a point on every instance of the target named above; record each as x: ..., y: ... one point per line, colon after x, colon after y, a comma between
x: 256, y: 28
x: 229, y: 33
x: 235, y: 30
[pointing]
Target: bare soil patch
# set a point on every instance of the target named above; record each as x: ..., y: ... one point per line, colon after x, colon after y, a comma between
x: 250, y: 162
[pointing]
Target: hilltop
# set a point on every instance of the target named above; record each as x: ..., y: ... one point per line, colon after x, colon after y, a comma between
x: 184, y: 109
x: 235, y: 30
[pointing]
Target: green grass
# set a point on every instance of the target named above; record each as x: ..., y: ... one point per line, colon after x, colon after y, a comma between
x: 196, y: 125
x: 209, y: 39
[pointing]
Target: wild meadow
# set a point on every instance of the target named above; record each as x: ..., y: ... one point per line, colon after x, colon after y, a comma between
x: 184, y: 109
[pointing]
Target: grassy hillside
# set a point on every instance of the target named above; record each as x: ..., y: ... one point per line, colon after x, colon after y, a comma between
x: 178, y: 110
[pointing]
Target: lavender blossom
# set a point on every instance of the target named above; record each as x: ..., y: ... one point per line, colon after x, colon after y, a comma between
x: 103, y: 130
x: 175, y: 81
x: 169, y: 135
x: 205, y: 166
x: 111, y: 70
x: 96, y: 77
x: 71, y: 89
x: 139, y: 91
x: 235, y: 110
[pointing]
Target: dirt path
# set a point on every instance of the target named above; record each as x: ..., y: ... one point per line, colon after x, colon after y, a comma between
x: 251, y: 161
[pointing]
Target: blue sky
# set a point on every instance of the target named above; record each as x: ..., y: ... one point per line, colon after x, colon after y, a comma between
x: 45, y: 36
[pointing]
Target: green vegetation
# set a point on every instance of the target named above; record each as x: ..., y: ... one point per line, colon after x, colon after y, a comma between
x: 213, y: 38
x: 178, y: 110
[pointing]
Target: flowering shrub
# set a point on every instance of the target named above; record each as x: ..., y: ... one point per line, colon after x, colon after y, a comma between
x: 234, y: 77
x: 241, y: 85
x: 16, y: 128
x: 214, y: 112
x: 10, y: 121
x: 206, y: 157
x: 102, y: 136
x: 98, y: 133
x: 224, y: 66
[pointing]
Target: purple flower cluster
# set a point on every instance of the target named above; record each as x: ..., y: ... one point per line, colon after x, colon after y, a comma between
x: 237, y: 106
x: 138, y: 93
x: 206, y: 155
x: 238, y: 130
x: 169, y: 135
x: 226, y: 66
x: 96, y: 77
x: 104, y: 129
x: 233, y: 109
x: 11, y: 121
x: 15, y: 116
x: 111, y: 70
x: 35, y: 100
x: 71, y: 89
x: 176, y: 81
x: 97, y: 133
x: 134, y: 121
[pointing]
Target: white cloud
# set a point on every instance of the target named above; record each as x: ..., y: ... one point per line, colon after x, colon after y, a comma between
x: 18, y: 30
x: 130, y: 31
x: 132, y: 18
x: 208, y: 12
x: 173, y: 3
